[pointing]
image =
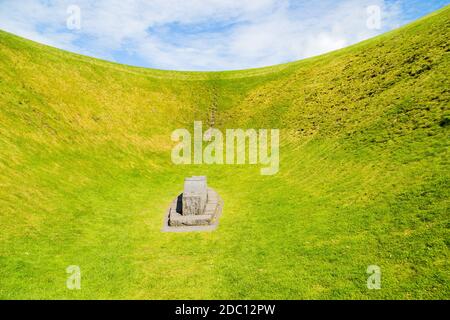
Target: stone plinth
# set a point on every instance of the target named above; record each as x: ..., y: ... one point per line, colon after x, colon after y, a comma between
x: 195, y: 196
x: 198, y: 208
x: 208, y: 217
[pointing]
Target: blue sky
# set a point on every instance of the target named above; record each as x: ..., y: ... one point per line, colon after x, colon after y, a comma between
x: 207, y: 34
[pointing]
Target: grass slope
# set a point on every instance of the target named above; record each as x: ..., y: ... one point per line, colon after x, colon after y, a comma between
x: 86, y: 176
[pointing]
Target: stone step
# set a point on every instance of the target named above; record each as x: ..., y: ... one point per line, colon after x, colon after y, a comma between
x: 177, y: 220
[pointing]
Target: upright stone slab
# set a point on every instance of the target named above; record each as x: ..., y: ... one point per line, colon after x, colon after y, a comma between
x: 197, y: 209
x: 195, y: 196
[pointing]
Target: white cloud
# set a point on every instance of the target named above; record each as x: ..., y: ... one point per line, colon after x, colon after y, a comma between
x: 197, y: 34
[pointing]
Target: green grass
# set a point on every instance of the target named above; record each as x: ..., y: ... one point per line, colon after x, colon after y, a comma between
x: 86, y: 176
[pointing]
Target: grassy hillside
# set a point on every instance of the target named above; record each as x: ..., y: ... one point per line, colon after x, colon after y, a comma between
x: 86, y: 175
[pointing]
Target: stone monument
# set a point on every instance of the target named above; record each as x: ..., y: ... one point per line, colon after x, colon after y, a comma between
x: 195, y: 196
x: 197, y: 208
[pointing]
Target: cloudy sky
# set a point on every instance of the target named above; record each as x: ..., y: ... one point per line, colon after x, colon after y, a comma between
x: 206, y: 34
